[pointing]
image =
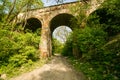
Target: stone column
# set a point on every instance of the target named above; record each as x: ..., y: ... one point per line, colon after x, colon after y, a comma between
x: 45, y: 44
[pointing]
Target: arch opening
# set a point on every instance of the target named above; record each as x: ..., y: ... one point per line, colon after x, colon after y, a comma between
x: 60, y: 27
x: 32, y: 24
x: 61, y: 20
x: 59, y: 38
x: 61, y: 24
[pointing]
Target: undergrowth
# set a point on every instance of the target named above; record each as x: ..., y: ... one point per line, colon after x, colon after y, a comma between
x: 12, y: 71
x: 19, y: 51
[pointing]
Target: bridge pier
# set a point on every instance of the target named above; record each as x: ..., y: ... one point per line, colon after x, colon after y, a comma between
x: 45, y: 43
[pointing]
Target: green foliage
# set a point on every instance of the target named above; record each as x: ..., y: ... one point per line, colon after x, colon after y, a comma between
x: 67, y: 49
x: 107, y: 59
x: 108, y: 16
x: 98, y: 42
x: 102, y: 63
x: 88, y: 39
x: 85, y: 40
x: 17, y: 49
x: 10, y: 9
x: 86, y: 68
x: 56, y: 46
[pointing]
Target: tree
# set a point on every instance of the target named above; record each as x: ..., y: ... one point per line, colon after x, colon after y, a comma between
x: 101, y: 53
x: 16, y: 47
x: 14, y: 7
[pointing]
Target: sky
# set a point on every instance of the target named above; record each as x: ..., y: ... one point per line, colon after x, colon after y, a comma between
x: 52, y: 2
x: 61, y: 33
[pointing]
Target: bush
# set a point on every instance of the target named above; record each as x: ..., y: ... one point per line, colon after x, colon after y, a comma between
x: 85, y: 40
x: 89, y: 39
x: 17, y: 49
x: 56, y: 46
x: 68, y: 47
x: 108, y: 17
x: 107, y: 59
x: 100, y: 58
x: 98, y: 43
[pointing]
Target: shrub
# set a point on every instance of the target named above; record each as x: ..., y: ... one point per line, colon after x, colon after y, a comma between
x: 107, y: 17
x: 17, y: 49
x: 100, y: 49
x: 107, y: 58
x: 68, y: 47
x: 56, y: 46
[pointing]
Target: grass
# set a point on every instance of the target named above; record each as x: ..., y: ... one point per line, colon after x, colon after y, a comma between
x: 86, y: 68
x: 12, y: 71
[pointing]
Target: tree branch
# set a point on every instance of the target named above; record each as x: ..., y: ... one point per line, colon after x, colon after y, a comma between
x: 9, y: 14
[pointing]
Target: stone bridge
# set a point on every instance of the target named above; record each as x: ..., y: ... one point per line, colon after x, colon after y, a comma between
x: 49, y: 18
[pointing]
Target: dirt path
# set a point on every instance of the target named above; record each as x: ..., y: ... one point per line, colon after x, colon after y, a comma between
x: 57, y: 69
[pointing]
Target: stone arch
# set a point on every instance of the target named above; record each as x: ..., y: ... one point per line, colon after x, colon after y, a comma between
x: 33, y: 24
x: 63, y: 19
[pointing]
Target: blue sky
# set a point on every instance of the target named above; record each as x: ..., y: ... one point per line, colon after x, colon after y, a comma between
x: 52, y: 2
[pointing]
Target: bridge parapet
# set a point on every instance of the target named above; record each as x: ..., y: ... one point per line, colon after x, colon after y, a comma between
x: 62, y: 8
x: 46, y: 10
